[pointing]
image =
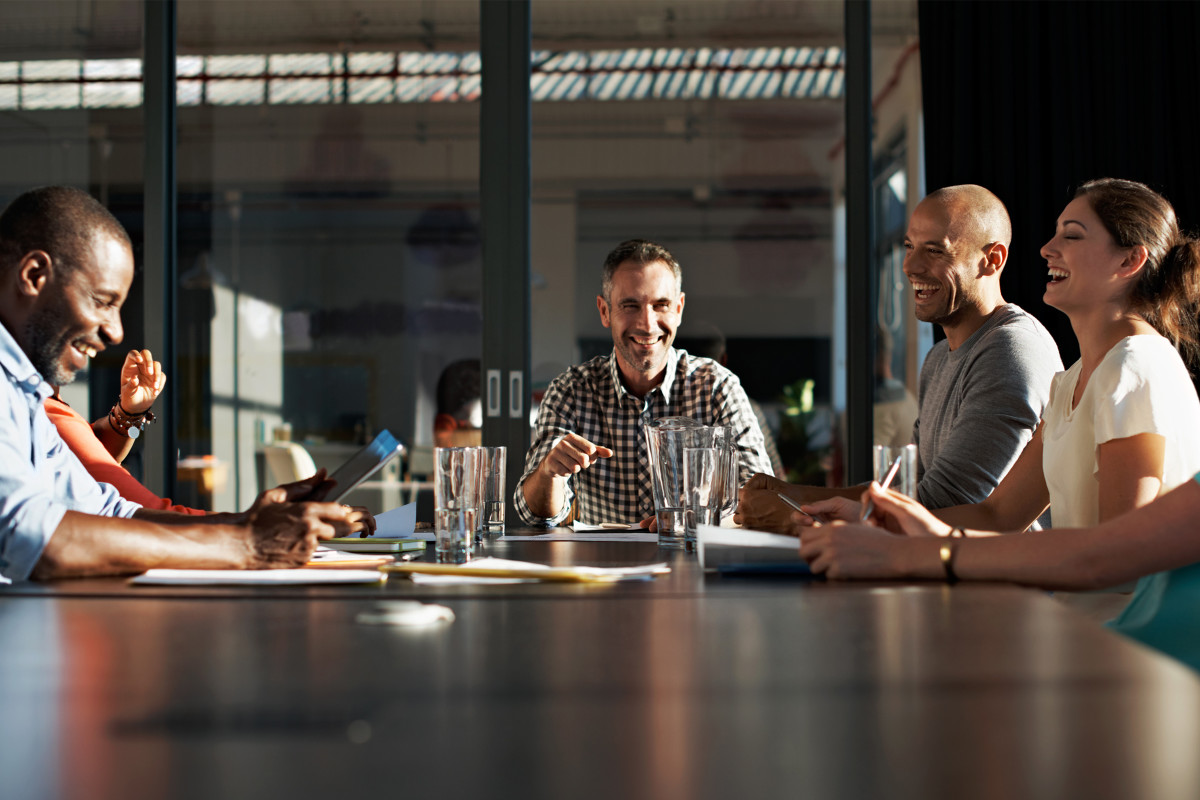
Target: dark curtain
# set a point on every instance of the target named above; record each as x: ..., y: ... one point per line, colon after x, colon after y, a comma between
x: 1030, y: 99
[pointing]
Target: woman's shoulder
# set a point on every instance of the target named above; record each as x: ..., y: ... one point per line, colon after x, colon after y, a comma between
x: 1141, y: 352
x: 1143, y: 362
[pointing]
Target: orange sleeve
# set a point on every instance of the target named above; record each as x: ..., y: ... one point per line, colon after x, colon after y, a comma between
x: 77, y: 433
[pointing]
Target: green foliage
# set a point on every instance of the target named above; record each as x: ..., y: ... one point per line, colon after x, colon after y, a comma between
x: 803, y: 463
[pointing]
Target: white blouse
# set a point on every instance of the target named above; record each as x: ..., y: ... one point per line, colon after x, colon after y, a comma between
x: 1141, y: 386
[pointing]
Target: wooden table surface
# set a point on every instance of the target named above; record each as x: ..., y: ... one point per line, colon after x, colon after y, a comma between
x: 690, y: 686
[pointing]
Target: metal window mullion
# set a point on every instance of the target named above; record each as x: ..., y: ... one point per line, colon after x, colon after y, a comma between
x: 505, y: 199
x: 860, y: 231
x: 160, y: 220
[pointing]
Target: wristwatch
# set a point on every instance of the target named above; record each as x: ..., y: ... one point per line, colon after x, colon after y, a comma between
x: 126, y: 424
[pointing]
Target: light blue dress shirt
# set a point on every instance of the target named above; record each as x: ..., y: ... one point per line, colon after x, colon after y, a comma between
x: 40, y: 478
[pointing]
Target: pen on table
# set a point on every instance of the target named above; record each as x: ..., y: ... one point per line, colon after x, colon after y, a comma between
x: 816, y: 517
x: 887, y: 481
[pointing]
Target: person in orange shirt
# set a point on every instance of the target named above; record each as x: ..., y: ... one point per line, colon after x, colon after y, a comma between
x: 102, y: 445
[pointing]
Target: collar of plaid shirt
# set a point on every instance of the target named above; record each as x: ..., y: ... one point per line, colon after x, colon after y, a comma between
x: 614, y: 371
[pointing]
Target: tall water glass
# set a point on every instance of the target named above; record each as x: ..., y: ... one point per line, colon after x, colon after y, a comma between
x: 455, y: 499
x: 724, y: 439
x: 477, y: 500
x: 905, y: 481
x: 493, y: 463
x: 666, y: 439
x: 702, y: 489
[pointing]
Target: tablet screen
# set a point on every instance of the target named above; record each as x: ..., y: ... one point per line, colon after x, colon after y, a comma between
x: 364, y: 464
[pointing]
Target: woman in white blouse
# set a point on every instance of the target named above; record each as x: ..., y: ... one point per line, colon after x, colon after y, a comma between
x: 1123, y: 423
x: 1122, y: 428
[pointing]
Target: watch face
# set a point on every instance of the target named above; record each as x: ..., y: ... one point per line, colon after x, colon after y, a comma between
x: 133, y: 432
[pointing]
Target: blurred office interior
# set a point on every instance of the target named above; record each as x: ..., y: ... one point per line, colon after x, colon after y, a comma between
x: 329, y: 260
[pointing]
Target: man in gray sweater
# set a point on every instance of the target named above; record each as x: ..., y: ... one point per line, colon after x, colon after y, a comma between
x: 982, y: 388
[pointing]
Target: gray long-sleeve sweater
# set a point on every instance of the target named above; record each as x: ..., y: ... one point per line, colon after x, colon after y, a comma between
x: 980, y: 405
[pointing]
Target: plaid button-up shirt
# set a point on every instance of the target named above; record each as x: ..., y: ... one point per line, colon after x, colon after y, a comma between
x: 591, y: 401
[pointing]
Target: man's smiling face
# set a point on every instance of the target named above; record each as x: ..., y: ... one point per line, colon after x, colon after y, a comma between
x: 643, y: 312
x: 79, y: 311
x: 942, y: 268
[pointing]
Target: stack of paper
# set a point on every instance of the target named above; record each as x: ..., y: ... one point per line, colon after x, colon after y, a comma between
x: 730, y: 550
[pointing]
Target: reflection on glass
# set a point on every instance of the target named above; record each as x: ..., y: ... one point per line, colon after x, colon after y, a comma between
x: 330, y: 258
x: 719, y: 151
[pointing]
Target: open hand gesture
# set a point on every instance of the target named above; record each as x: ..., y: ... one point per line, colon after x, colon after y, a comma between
x: 142, y: 381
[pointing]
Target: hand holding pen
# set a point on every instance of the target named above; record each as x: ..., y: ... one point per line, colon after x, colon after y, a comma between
x: 843, y: 512
x: 818, y: 518
x: 869, y: 507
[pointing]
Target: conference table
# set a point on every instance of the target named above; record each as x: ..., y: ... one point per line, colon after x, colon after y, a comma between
x: 691, y: 685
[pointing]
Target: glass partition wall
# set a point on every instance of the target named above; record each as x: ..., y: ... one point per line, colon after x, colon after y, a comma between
x: 718, y: 130
x: 705, y: 127
x: 71, y: 113
x: 329, y: 261
x: 329, y: 247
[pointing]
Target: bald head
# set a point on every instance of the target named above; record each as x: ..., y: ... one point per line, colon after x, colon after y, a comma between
x: 977, y: 217
x: 956, y: 246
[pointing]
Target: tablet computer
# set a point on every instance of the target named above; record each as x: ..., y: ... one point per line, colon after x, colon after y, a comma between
x: 363, y: 464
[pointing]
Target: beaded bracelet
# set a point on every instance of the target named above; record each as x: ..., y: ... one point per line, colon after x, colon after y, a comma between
x: 126, y: 424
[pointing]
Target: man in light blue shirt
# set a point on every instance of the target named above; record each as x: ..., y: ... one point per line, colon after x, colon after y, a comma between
x: 65, y: 268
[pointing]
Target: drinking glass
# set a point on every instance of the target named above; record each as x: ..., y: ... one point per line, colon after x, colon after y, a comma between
x: 702, y: 489
x: 455, y: 501
x: 905, y: 480
x: 493, y: 462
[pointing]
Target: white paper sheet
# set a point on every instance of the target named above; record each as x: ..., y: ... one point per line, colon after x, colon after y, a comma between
x: 401, y: 523
x: 259, y: 577
x: 606, y: 526
x: 645, y: 572
x: 326, y: 555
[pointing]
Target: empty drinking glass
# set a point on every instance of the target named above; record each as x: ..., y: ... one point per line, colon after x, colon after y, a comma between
x: 455, y: 501
x: 494, y: 461
x: 702, y: 488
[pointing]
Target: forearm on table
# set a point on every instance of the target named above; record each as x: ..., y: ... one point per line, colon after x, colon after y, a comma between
x: 84, y: 545
x: 1059, y: 559
x: 1045, y: 560
x: 174, y: 518
x: 1155, y: 538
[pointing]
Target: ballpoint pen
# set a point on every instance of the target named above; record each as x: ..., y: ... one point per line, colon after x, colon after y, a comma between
x: 815, y: 517
x: 887, y: 481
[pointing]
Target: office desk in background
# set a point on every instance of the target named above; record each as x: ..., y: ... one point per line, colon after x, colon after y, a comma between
x: 690, y: 686
x: 382, y: 493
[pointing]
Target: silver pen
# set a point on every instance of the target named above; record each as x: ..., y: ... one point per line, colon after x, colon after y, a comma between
x: 815, y: 517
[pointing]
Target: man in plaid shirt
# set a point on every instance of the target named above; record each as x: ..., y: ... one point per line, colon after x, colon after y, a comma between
x: 589, y: 443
